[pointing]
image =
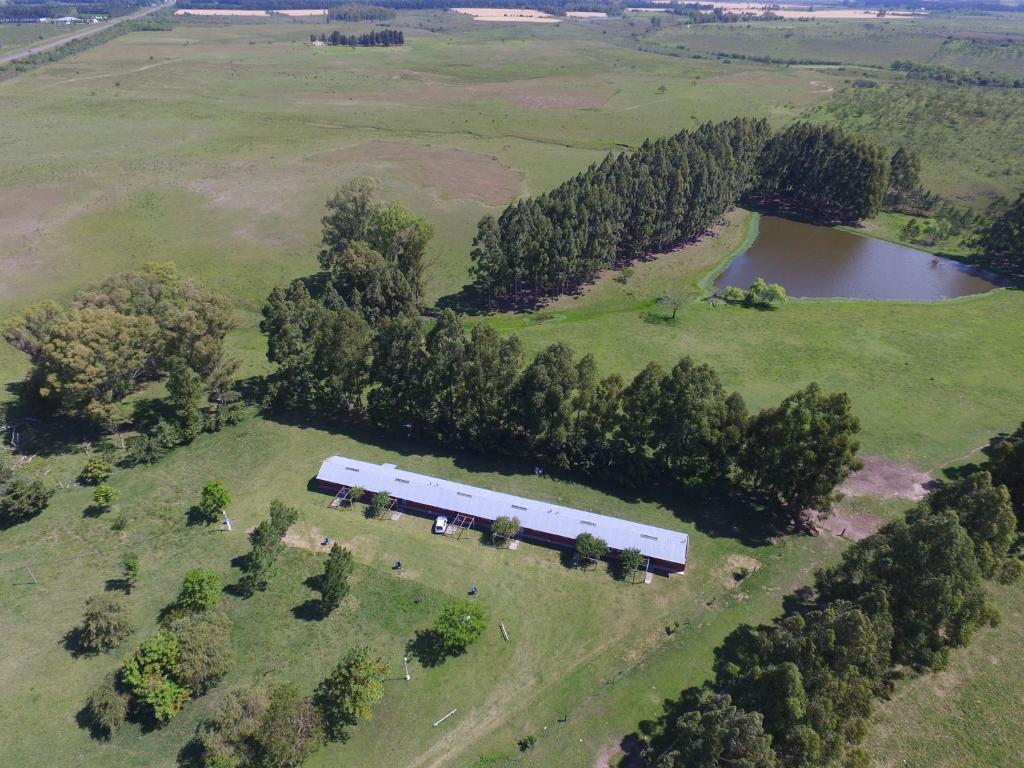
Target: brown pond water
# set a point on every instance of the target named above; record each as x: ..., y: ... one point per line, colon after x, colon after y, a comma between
x: 821, y: 262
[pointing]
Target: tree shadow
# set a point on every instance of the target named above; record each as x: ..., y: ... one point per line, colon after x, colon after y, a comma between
x: 72, y: 643
x: 426, y: 647
x: 85, y: 721
x: 653, y: 318
x: 191, y: 754
x: 93, y: 511
x: 195, y: 516
x: 632, y: 747
x: 118, y: 585
x: 311, y: 610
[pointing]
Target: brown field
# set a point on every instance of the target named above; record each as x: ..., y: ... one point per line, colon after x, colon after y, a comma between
x: 216, y: 12
x: 508, y: 14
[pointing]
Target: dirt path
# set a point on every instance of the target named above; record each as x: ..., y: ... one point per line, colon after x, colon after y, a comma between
x: 887, y: 479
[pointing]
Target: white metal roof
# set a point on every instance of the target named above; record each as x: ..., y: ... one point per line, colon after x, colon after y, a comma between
x: 660, y: 543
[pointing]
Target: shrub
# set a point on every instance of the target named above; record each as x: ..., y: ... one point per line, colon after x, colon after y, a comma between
x: 96, y: 470
x: 334, y: 582
x: 632, y: 560
x: 105, y: 624
x: 21, y: 499
x: 380, y: 505
x: 103, y: 497
x: 106, y: 707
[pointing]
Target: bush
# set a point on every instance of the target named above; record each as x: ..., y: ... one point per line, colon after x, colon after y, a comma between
x: 334, y: 582
x: 96, y: 470
x: 380, y: 505
x: 106, y: 707
x: 226, y: 740
x: 103, y: 497
x: 105, y: 624
x: 632, y: 560
x: 200, y: 591
x: 21, y: 499
x: 459, y: 625
x: 289, y: 731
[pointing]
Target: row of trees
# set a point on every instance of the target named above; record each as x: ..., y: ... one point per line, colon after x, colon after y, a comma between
x: 377, y: 38
x: 958, y: 76
x: 473, y: 391
x: 669, y: 191
x: 798, y: 692
x: 360, y: 12
x: 1000, y: 241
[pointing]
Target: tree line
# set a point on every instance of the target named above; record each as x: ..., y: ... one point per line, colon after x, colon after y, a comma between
x: 377, y: 38
x: 349, y: 342
x: 957, y: 76
x: 798, y: 693
x: 360, y: 12
x: 667, y: 192
x: 554, y: 7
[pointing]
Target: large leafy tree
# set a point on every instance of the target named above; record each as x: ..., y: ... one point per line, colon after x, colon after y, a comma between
x: 798, y: 453
x: 151, y: 673
x: 289, y: 731
x: 21, y: 497
x: 1002, y: 241
x: 205, y: 654
x: 350, y: 692
x: 459, y: 624
x: 484, y: 397
x: 399, y: 361
x: 267, y: 546
x: 718, y: 734
x: 544, y: 408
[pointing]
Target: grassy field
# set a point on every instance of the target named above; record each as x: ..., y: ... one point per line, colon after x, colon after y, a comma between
x: 215, y: 145
x: 16, y: 36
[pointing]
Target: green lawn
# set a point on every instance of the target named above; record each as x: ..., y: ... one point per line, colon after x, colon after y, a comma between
x: 215, y: 145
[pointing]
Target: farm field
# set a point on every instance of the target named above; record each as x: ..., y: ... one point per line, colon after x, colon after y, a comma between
x: 15, y: 36
x: 215, y: 146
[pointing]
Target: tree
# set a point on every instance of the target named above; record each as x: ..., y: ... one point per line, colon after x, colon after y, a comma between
x: 228, y: 739
x: 289, y: 730
x: 350, y: 692
x: 185, y: 392
x: 267, y: 545
x: 505, y: 528
x: 214, y: 500
x: 1006, y: 465
x: 334, y: 584
x: 151, y: 674
x: 459, y: 624
x: 380, y: 505
x: 1001, y: 241
x: 904, y: 175
x: 21, y: 499
x: 590, y: 547
x: 103, y: 497
x: 632, y: 561
x: 985, y: 512
x: 96, y: 470
x: 200, y: 591
x: 205, y: 654
x: 910, y: 231
x: 105, y: 624
x: 106, y: 708
x: 673, y: 301
x: 130, y: 568
x: 797, y: 453
x: 717, y: 734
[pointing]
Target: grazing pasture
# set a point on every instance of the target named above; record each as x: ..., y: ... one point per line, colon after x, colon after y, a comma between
x: 216, y: 144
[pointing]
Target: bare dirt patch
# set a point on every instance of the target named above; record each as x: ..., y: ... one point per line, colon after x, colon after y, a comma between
x: 849, y: 525
x: 452, y: 173
x: 887, y: 479
x: 306, y: 540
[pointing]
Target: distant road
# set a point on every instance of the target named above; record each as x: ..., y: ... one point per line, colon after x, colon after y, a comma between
x: 90, y: 29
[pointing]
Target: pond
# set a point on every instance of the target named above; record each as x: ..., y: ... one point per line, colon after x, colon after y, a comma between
x: 821, y: 262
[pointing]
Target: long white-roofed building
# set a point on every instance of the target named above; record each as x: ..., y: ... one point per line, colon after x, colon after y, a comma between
x: 541, y: 521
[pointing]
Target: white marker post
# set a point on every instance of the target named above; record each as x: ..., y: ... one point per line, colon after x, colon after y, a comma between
x: 227, y: 521
x: 445, y: 717
x: 405, y: 660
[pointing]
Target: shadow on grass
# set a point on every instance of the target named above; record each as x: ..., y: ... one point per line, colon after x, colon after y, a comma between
x: 85, y: 720
x: 118, y: 585
x: 195, y: 516
x: 426, y: 648
x: 312, y: 609
x: 72, y: 643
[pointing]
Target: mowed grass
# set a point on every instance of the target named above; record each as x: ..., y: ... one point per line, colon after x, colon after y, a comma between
x: 215, y: 145
x: 572, y: 634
